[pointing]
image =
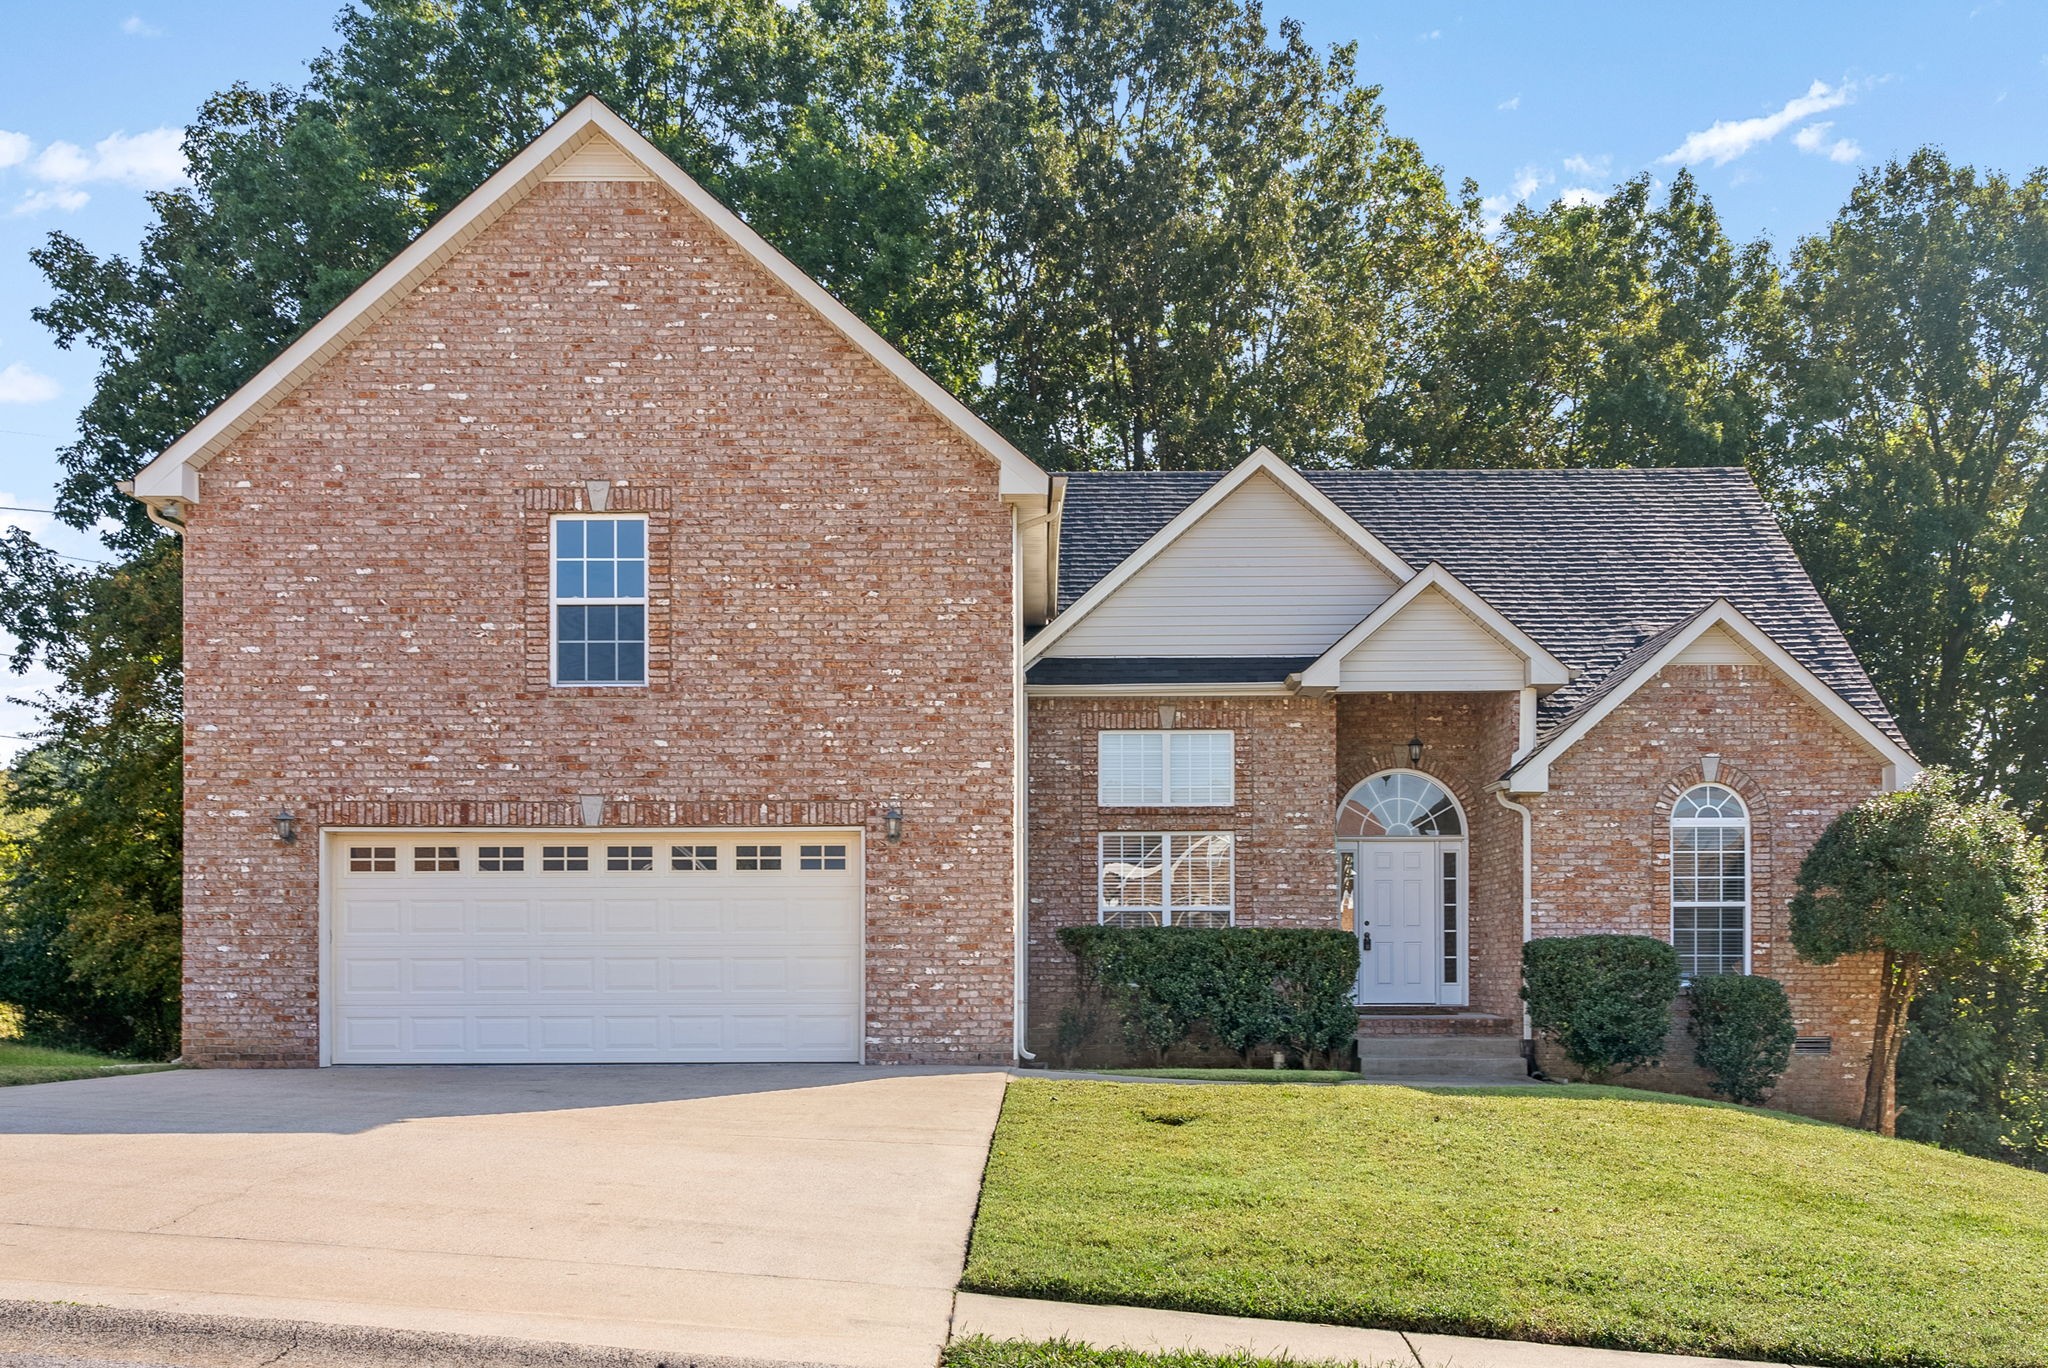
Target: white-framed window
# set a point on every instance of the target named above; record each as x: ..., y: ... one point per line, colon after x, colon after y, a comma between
x: 436, y: 860
x: 821, y: 857
x: 629, y: 859
x: 598, y: 599
x: 501, y: 859
x: 1710, y: 882
x: 1166, y: 768
x: 373, y: 859
x: 1165, y: 878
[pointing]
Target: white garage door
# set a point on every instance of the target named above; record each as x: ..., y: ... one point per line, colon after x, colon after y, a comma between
x: 540, y: 947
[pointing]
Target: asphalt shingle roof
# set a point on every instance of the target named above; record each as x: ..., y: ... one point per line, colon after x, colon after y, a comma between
x: 1593, y: 564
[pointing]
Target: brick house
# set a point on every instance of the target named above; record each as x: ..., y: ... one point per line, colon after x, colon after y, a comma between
x: 603, y: 646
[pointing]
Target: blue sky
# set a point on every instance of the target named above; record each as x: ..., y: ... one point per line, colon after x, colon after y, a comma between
x: 1775, y: 107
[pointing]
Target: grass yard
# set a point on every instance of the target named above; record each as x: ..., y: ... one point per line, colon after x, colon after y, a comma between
x: 1576, y: 1215
x: 1238, y: 1075
x: 21, y: 1063
x: 981, y: 1352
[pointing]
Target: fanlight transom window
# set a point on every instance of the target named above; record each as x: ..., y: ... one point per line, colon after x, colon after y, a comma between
x: 1399, y: 803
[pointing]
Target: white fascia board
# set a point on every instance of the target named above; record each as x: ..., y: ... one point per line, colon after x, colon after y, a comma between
x: 1533, y: 774
x: 1260, y: 462
x: 1541, y: 669
x: 164, y: 476
x: 1157, y: 690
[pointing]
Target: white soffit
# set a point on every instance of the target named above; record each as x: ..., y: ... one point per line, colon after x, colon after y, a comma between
x: 586, y: 140
x: 1260, y: 463
x: 1532, y: 775
x: 1541, y: 669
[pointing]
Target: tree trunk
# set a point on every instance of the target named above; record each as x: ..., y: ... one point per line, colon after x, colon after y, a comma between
x: 1898, y: 980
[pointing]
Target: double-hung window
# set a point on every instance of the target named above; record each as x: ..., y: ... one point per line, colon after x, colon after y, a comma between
x: 600, y: 599
x: 1165, y: 878
x: 1710, y: 882
x: 1166, y: 768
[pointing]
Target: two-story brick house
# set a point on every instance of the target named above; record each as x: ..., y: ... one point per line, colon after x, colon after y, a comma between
x: 603, y: 646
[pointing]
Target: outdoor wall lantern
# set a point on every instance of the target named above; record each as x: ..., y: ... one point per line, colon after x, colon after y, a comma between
x: 1414, y: 751
x: 287, y: 826
x: 892, y: 825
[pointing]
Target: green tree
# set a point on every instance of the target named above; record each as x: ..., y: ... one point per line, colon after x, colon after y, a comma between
x: 1180, y: 237
x: 1609, y: 334
x: 1910, y: 467
x: 90, y: 884
x: 1928, y: 878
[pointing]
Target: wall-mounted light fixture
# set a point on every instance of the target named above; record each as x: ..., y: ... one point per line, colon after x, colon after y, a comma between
x: 287, y: 826
x: 892, y: 824
x: 1414, y: 751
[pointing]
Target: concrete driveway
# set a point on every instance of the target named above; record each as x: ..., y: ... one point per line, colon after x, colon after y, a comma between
x: 790, y: 1213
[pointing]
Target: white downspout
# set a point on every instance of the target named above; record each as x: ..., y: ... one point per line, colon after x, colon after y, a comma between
x: 1500, y: 794
x: 1020, y: 812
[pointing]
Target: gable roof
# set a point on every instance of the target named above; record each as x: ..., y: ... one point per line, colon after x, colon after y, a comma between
x: 1169, y: 530
x: 1592, y: 564
x: 1542, y: 669
x: 172, y: 475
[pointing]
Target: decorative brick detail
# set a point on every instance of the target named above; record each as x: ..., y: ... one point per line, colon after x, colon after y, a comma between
x: 1286, y: 800
x: 1603, y: 847
x: 366, y: 601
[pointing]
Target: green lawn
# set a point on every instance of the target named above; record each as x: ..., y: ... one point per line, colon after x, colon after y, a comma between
x: 981, y: 1352
x: 21, y: 1063
x: 1576, y: 1215
x: 1239, y: 1075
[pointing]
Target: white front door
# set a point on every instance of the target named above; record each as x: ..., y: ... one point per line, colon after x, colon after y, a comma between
x: 1401, y: 892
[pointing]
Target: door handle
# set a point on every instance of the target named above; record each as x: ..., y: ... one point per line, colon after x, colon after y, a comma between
x: 1364, y: 941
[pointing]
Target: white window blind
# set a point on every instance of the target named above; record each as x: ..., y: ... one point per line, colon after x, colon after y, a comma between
x: 1166, y: 768
x: 1166, y: 878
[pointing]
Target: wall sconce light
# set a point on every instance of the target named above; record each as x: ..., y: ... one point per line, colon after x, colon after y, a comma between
x: 1414, y: 750
x: 287, y: 826
x: 892, y: 825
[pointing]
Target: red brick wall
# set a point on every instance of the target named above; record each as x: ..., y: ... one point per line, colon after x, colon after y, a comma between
x: 366, y: 611
x: 1602, y: 838
x: 1468, y: 740
x: 1286, y: 797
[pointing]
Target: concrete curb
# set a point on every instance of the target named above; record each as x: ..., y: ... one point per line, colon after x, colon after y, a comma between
x: 1299, y: 1342
x: 73, y: 1331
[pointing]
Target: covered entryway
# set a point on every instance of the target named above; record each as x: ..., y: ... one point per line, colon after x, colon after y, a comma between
x: 603, y: 947
x: 1401, y: 848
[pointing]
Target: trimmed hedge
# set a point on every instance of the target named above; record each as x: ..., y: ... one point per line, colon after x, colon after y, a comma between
x: 1605, y: 999
x: 1251, y: 987
x: 1741, y: 1027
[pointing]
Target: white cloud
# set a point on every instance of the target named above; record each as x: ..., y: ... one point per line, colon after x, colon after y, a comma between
x: 1430, y: 36
x: 1510, y: 104
x: 1730, y: 138
x: 14, y: 148
x: 39, y: 201
x: 145, y: 161
x: 1814, y: 138
x: 135, y: 26
x: 1528, y: 181
x: 1581, y: 196
x: 1588, y: 166
x: 20, y: 385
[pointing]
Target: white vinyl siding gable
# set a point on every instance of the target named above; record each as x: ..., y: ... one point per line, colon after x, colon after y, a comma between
x: 1435, y: 645
x: 1717, y: 647
x: 1259, y: 575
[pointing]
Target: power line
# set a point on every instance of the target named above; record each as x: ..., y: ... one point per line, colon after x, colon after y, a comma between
x: 17, y: 508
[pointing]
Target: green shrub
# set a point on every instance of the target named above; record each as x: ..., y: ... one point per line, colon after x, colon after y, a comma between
x: 1251, y: 987
x: 1741, y: 1027
x: 1606, y: 1000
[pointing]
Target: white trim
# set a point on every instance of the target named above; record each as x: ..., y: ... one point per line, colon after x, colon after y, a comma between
x: 645, y: 601
x: 171, y: 474
x: 1500, y: 795
x: 1533, y: 774
x: 1540, y: 668
x: 1156, y: 690
x: 1260, y: 462
x: 1671, y: 829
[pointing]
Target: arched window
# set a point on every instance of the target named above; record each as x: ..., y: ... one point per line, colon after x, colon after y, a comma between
x: 1399, y: 803
x: 1710, y: 882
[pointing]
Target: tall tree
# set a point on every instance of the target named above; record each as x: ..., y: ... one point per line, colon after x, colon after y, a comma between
x: 1610, y: 334
x: 1182, y: 238
x: 1913, y: 470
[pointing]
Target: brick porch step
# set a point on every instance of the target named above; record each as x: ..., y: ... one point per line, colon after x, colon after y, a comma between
x: 1443, y: 1058
x: 1433, y: 1021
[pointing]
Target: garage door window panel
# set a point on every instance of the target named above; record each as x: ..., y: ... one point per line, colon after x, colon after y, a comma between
x: 564, y: 859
